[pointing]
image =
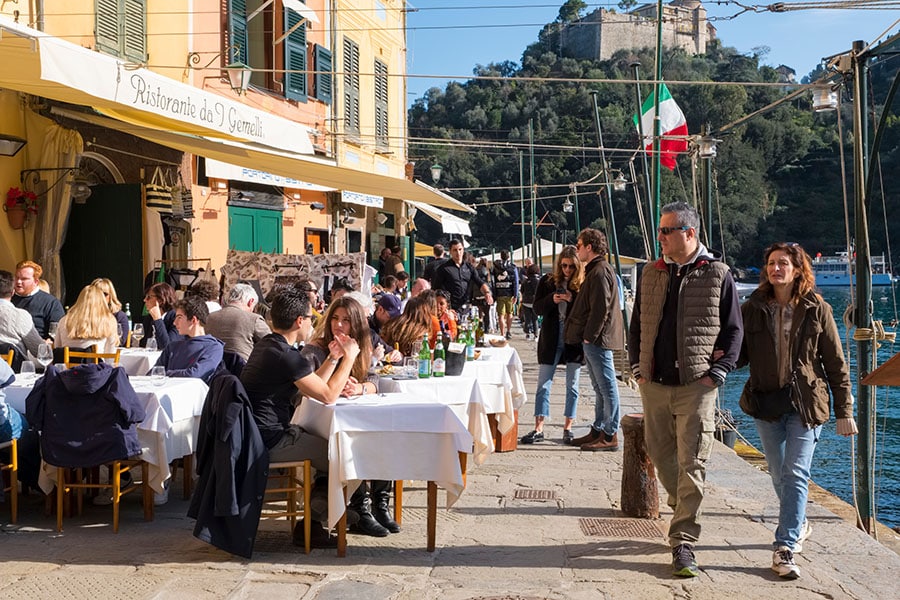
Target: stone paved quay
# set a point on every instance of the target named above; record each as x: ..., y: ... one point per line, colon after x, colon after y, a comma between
x: 489, y: 545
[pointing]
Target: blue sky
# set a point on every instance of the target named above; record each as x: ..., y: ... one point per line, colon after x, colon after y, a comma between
x: 798, y: 39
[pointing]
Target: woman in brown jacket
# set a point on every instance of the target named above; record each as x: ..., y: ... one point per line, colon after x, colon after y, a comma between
x: 791, y: 343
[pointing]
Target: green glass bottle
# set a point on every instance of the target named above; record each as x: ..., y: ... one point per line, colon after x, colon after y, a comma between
x: 424, y: 359
x: 439, y: 364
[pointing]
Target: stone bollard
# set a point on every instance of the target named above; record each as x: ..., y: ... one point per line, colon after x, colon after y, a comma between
x: 640, y: 495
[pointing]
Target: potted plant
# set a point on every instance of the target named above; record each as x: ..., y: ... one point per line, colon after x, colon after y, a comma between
x: 19, y: 205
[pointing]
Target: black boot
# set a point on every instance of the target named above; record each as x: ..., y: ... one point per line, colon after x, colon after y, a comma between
x: 381, y: 500
x: 361, y: 503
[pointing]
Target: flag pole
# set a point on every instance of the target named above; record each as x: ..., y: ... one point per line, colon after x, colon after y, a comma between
x: 641, y: 133
x: 657, y: 124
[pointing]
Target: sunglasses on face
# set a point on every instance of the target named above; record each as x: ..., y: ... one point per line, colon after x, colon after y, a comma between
x: 567, y: 266
x: 668, y: 230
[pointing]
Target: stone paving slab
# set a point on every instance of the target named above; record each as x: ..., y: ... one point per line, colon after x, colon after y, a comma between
x: 491, y: 544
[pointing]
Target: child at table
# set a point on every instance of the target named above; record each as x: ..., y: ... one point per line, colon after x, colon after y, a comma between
x: 13, y: 426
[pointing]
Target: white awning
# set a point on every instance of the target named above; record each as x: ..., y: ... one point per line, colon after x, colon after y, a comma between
x: 220, y: 170
x: 449, y: 223
x: 284, y: 164
x: 43, y: 65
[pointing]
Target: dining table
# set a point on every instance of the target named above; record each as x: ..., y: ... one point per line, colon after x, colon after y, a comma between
x: 138, y: 361
x: 396, y: 436
x: 169, y: 429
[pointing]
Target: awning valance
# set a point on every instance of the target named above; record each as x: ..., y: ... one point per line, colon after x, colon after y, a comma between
x: 43, y: 65
x: 284, y: 164
x: 449, y: 223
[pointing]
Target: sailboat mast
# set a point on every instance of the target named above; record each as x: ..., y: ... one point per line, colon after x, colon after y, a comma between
x: 865, y: 465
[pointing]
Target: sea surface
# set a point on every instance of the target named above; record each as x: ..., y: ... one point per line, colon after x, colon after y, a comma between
x: 834, y: 460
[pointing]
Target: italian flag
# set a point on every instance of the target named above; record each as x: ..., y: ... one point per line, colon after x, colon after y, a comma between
x: 673, y: 127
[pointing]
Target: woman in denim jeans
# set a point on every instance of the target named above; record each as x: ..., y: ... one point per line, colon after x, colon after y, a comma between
x: 791, y: 341
x: 555, y: 294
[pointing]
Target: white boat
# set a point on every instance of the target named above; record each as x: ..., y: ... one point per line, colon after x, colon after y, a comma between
x: 837, y: 270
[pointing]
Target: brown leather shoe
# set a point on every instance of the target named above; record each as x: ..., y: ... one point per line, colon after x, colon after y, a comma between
x: 590, y: 436
x: 605, y: 443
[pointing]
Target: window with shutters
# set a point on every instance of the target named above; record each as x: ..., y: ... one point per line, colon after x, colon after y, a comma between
x: 351, y: 87
x: 381, y: 104
x: 120, y: 28
x: 323, y: 81
x: 295, y: 74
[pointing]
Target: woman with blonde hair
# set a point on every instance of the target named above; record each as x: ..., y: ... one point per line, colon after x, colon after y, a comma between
x: 115, y: 306
x: 553, y: 297
x: 406, y: 331
x: 89, y: 322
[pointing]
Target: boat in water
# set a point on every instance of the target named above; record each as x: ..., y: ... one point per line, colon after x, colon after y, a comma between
x: 838, y: 270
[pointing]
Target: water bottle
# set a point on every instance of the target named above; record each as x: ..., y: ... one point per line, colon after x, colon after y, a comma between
x: 424, y: 359
x: 128, y: 314
x: 438, y: 365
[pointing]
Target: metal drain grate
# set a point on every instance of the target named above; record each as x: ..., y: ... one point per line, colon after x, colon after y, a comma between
x: 620, y: 528
x: 527, y: 494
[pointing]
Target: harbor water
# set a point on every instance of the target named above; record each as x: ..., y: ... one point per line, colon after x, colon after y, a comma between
x: 834, y: 459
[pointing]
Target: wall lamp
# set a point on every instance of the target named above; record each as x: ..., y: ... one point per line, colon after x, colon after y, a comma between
x: 238, y: 73
x: 10, y: 145
x: 317, y: 206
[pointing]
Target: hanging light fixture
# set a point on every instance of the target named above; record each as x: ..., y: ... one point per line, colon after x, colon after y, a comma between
x: 620, y: 182
x: 436, y: 170
x: 706, y: 146
x: 239, y: 76
x: 567, y: 205
x: 824, y: 98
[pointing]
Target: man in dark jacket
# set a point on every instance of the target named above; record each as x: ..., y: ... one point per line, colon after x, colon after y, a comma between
x: 456, y: 276
x: 435, y: 263
x: 595, y: 320
x: 685, y: 337
x: 198, y: 354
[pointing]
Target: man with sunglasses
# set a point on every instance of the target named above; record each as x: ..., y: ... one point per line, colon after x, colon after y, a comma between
x: 595, y: 321
x: 685, y: 337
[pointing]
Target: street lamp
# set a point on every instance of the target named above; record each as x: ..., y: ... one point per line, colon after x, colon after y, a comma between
x: 824, y: 98
x: 620, y: 182
x: 239, y: 76
x: 436, y: 172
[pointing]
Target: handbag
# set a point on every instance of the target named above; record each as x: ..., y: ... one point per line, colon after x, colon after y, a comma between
x: 158, y: 194
x: 771, y: 406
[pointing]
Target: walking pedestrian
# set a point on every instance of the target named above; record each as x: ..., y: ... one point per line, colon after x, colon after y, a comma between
x: 793, y: 348
x: 685, y: 338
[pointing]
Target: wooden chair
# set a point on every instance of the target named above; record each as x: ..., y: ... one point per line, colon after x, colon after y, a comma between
x: 128, y: 340
x: 70, y: 356
x: 8, y: 357
x: 289, y: 483
x: 13, y: 468
x: 66, y: 484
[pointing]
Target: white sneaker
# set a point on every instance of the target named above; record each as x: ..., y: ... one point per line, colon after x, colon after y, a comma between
x: 805, y: 532
x: 161, y: 498
x: 783, y: 563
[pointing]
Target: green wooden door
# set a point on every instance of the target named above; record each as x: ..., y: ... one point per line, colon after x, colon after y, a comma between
x: 104, y: 239
x: 254, y: 229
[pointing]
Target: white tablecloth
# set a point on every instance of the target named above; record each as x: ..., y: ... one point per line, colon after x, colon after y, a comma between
x: 451, y: 391
x: 388, y: 437
x: 137, y: 361
x: 168, y: 431
x: 499, y: 375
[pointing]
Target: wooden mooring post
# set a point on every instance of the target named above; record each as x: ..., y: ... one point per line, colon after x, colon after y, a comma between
x: 640, y: 495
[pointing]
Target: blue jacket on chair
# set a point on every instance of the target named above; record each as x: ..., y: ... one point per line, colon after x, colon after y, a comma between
x: 87, y: 415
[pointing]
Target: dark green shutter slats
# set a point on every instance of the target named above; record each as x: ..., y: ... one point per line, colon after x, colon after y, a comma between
x: 324, y: 84
x: 381, y: 104
x: 237, y: 31
x: 295, y: 75
x: 351, y: 86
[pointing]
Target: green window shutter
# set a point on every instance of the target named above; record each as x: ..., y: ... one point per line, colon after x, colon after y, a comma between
x: 106, y: 27
x: 295, y: 75
x: 351, y: 86
x: 135, y: 27
x: 381, y: 104
x: 237, y: 31
x: 323, y: 79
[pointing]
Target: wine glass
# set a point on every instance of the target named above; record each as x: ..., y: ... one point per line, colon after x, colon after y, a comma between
x: 27, y: 370
x: 137, y: 334
x: 44, y: 355
x: 119, y: 333
x: 54, y: 328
